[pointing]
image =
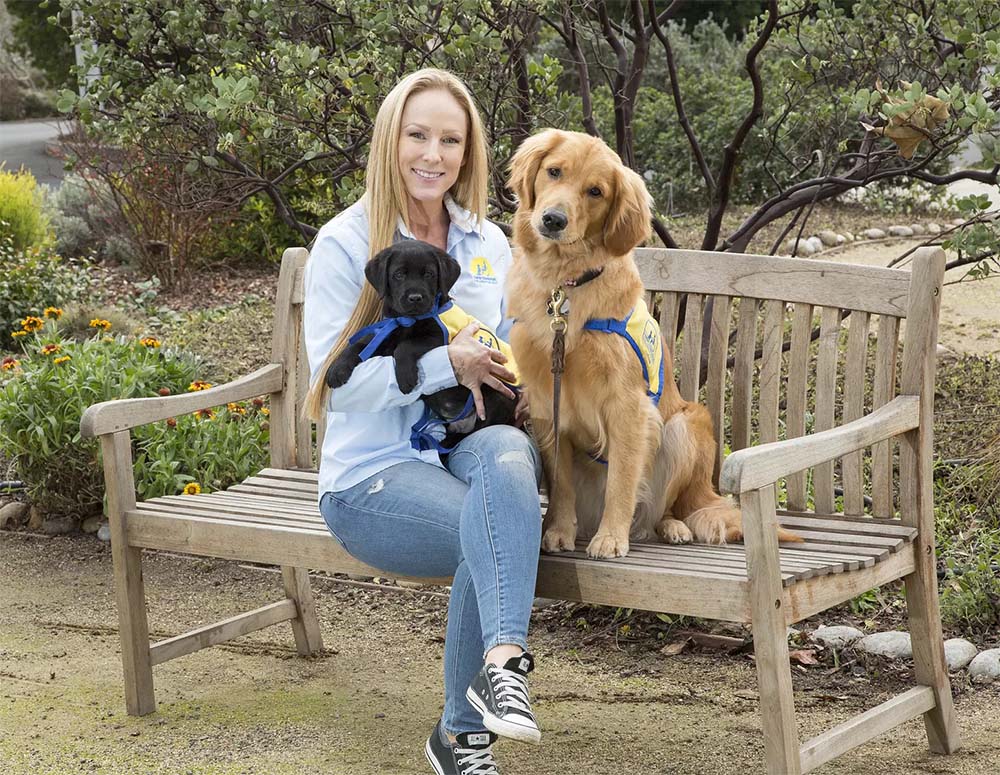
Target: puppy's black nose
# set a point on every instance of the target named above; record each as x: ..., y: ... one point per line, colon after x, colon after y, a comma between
x: 553, y: 220
x: 414, y: 298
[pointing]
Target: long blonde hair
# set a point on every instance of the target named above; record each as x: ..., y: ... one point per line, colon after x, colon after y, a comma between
x: 385, y: 197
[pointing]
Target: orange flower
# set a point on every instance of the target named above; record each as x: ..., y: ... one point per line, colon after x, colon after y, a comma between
x: 53, y: 312
x: 62, y: 359
x: 16, y: 334
x: 199, y: 384
x: 50, y: 349
x: 149, y: 341
x: 171, y: 422
x: 9, y: 363
x: 192, y: 488
x: 236, y: 408
x: 31, y: 323
x: 99, y: 323
x: 205, y: 414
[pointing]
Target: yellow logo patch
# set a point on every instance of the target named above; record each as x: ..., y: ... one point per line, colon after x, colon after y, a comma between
x: 482, y: 271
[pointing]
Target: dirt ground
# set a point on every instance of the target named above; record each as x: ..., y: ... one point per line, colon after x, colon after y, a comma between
x: 366, y: 705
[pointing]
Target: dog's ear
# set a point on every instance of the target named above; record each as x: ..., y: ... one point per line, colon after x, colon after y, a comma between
x: 377, y: 271
x: 628, y: 221
x: 526, y: 161
x: 448, y: 272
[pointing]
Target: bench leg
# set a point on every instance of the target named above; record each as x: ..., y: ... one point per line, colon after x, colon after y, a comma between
x: 305, y: 627
x: 134, y: 631
x: 928, y: 655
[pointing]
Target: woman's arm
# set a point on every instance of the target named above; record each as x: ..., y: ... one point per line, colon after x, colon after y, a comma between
x: 333, y: 280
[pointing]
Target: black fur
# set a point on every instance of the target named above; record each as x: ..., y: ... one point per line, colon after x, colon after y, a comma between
x: 408, y: 276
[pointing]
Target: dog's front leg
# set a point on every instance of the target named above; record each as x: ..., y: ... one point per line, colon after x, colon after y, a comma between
x: 627, y: 454
x: 559, y: 524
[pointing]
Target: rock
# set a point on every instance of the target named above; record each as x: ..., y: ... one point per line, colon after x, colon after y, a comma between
x: 873, y: 234
x: 849, y: 237
x: 36, y: 519
x: 900, y: 231
x: 828, y: 238
x: 917, y: 228
x: 841, y: 239
x: 817, y: 244
x: 837, y: 637
x: 892, y: 644
x: 958, y: 652
x: 58, y: 526
x: 13, y: 514
x: 91, y: 524
x: 985, y: 667
x: 104, y: 532
x: 799, y: 247
x: 933, y: 228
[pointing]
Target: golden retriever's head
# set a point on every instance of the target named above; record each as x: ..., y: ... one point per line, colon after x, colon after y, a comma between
x: 573, y: 189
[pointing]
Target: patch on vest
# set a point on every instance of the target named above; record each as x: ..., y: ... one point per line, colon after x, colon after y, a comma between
x: 482, y: 271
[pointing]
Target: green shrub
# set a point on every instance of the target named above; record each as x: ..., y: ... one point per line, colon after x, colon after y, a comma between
x: 22, y: 217
x: 43, y: 394
x: 31, y: 280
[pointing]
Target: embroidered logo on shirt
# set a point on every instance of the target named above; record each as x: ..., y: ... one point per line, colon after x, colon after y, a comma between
x: 482, y: 271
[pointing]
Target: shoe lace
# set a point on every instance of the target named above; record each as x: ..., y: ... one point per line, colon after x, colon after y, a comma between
x: 476, y: 761
x: 511, y: 690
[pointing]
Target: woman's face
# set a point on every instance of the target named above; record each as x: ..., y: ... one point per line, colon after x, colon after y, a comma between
x: 431, y: 146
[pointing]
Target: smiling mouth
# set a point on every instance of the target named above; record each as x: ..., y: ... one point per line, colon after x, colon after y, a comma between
x: 427, y: 175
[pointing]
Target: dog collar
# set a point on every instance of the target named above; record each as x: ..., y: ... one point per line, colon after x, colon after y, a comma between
x: 586, y: 277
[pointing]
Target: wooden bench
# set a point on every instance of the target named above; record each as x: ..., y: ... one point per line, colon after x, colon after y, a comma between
x: 755, y: 314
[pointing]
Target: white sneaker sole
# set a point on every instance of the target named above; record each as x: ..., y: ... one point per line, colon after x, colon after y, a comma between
x: 498, y: 726
x: 430, y: 757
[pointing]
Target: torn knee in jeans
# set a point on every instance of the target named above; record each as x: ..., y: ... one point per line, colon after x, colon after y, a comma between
x: 515, y: 456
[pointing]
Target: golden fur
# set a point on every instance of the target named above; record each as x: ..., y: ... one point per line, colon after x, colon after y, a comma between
x: 660, y: 458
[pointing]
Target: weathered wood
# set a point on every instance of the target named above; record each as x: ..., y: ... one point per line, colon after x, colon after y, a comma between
x: 668, y: 319
x: 715, y: 381
x: 752, y: 468
x: 854, y: 407
x: 883, y: 391
x: 746, y: 344
x: 690, y: 361
x: 865, y: 726
x: 284, y: 349
x: 305, y: 624
x: 795, y: 412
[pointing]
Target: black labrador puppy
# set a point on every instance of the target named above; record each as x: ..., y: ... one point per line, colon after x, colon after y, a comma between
x: 413, y: 279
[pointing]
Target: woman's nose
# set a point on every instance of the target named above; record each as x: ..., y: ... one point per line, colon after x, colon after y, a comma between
x: 432, y: 150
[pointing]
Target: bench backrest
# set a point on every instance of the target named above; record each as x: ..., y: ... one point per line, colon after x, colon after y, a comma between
x: 749, y: 319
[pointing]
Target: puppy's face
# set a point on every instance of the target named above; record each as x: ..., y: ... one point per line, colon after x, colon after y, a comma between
x: 576, y: 190
x: 410, y: 275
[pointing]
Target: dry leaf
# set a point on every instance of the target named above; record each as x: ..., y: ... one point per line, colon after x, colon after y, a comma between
x: 675, y: 648
x: 910, y: 127
x: 803, y: 656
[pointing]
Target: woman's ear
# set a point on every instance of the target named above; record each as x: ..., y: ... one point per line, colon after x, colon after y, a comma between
x: 525, y: 163
x: 377, y: 271
x: 628, y: 222
x: 448, y: 272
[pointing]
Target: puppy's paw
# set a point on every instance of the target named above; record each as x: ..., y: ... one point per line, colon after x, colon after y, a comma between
x: 605, y: 545
x: 338, y: 373
x: 407, y: 378
x: 673, y: 531
x: 559, y: 539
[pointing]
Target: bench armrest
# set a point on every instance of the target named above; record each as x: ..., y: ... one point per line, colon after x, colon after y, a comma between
x: 761, y: 465
x: 123, y: 414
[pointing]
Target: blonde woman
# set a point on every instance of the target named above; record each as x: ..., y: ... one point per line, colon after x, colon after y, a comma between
x: 474, y: 515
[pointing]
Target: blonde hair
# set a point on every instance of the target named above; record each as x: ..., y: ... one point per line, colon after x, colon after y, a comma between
x: 385, y: 197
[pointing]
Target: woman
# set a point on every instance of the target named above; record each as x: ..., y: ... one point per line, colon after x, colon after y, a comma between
x: 476, y: 515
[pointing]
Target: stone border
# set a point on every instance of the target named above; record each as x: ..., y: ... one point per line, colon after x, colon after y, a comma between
x: 827, y: 239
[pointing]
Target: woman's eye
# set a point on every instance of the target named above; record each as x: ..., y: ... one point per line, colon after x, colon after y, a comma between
x: 554, y: 172
x: 595, y: 191
x: 451, y: 140
x: 417, y: 135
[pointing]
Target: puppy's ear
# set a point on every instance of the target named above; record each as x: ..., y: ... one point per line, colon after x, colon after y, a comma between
x: 526, y: 161
x: 448, y: 271
x: 628, y: 222
x: 377, y: 271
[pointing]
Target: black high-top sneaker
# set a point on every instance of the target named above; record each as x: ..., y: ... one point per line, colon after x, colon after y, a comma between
x: 501, y: 695
x: 470, y: 754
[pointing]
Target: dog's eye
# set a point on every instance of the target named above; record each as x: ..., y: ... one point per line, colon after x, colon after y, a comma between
x: 554, y: 172
x: 429, y: 274
x: 399, y: 274
x: 595, y: 192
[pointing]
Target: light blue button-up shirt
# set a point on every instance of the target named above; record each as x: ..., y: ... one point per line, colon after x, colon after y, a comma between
x: 370, y: 429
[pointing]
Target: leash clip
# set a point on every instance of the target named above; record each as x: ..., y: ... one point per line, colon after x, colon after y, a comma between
x: 558, y: 308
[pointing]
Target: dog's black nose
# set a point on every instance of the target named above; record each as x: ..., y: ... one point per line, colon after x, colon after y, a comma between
x: 553, y: 220
x: 414, y: 298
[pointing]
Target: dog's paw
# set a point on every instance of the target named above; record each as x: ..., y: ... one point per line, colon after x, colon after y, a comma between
x: 407, y: 379
x: 673, y: 531
x: 604, y: 545
x: 559, y: 540
x: 338, y: 374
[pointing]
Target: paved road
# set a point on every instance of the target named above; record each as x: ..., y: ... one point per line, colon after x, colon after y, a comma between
x: 22, y: 143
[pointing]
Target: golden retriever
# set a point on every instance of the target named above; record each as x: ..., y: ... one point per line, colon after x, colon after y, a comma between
x: 581, y: 209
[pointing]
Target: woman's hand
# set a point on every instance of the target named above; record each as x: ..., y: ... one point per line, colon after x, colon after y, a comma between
x: 476, y: 365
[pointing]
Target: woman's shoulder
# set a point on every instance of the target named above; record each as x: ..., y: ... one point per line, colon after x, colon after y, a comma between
x: 347, y: 230
x: 493, y: 238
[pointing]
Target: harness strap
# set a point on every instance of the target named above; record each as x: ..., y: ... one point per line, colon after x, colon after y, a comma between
x: 383, y: 329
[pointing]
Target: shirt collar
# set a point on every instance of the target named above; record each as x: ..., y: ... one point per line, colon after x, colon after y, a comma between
x: 460, y: 218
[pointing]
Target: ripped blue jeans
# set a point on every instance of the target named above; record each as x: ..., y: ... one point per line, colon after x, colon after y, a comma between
x: 478, y: 521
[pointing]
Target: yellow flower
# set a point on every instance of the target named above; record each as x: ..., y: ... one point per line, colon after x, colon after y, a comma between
x: 205, y: 414
x: 149, y: 341
x: 192, y: 488
x: 50, y: 349
x: 236, y: 408
x: 199, y: 384
x: 53, y: 312
x: 62, y: 359
x: 31, y: 323
x: 9, y: 363
x: 265, y: 411
x: 99, y: 323
x: 16, y: 334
